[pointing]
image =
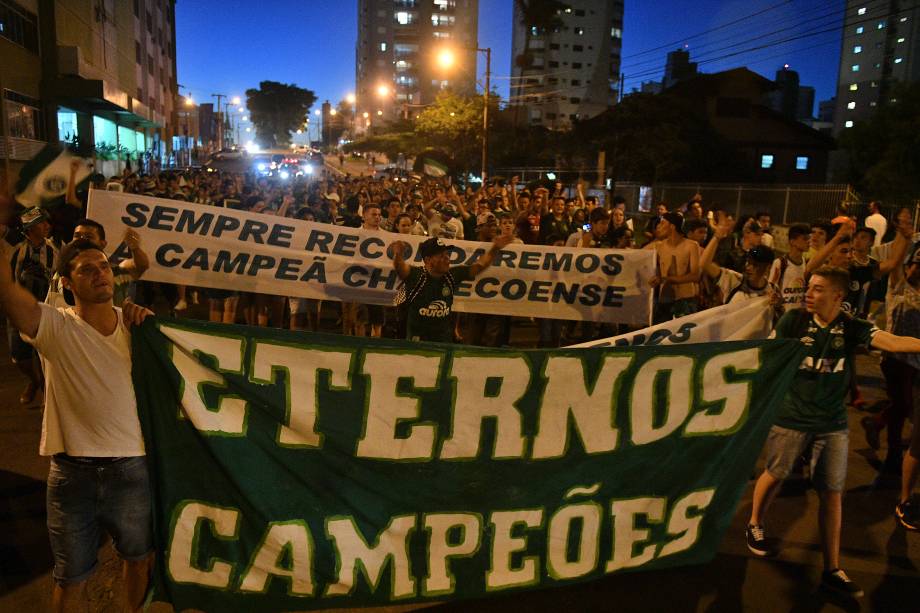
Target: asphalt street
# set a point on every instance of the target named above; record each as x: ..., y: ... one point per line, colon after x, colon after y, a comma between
x: 876, y: 552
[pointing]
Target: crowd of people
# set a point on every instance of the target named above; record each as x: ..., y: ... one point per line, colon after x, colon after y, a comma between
x: 832, y: 285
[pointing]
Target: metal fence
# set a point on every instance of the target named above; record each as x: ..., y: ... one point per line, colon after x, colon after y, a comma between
x: 786, y: 204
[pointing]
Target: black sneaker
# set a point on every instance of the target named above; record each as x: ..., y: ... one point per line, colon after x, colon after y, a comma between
x: 837, y: 581
x: 907, y: 514
x: 758, y: 542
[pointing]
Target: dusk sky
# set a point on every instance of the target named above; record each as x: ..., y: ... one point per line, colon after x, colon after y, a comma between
x: 228, y: 46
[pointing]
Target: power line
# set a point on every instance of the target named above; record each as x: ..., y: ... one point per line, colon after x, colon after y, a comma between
x: 720, y: 27
x: 779, y: 42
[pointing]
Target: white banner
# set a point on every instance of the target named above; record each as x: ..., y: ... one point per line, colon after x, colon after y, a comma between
x: 741, y: 321
x: 206, y: 246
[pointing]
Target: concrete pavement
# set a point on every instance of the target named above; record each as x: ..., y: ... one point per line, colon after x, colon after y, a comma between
x: 876, y: 553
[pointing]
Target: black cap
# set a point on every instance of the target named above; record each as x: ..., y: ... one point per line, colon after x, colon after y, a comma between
x: 761, y: 254
x: 675, y: 219
x: 432, y: 246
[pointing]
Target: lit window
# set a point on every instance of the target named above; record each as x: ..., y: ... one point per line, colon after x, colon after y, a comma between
x: 861, y: 11
x: 853, y: 87
x: 903, y: 19
x: 900, y: 40
x: 860, y: 29
x: 873, y: 84
x: 848, y: 124
x: 898, y: 60
x: 854, y: 68
x: 383, y: 46
x: 851, y: 105
x: 857, y: 49
x: 616, y: 33
x: 766, y: 161
x: 801, y: 162
x: 880, y: 25
x: 873, y: 103
x: 579, y: 31
x: 403, y: 18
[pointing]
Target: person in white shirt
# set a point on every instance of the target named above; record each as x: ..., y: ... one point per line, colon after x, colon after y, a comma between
x: 98, y: 479
x: 877, y: 222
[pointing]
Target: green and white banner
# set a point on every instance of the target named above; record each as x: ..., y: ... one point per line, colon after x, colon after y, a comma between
x: 295, y: 471
x: 193, y: 244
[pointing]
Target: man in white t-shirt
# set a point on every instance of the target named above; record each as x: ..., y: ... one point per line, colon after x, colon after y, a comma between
x: 788, y: 272
x: 98, y: 479
x: 877, y: 222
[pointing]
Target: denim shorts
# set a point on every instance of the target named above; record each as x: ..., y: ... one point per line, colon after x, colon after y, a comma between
x: 85, y: 500
x: 828, y: 455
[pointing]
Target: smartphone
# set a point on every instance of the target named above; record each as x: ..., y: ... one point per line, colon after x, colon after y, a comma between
x: 586, y: 227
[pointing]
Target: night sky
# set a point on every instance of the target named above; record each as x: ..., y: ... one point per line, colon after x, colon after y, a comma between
x: 229, y: 46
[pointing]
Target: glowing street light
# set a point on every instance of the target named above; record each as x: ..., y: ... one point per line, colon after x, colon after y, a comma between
x: 332, y: 112
x: 446, y: 58
x: 350, y: 99
x: 235, y: 100
x: 189, y: 101
x: 383, y: 91
x: 366, y: 114
x: 317, y: 112
x: 241, y: 109
x: 379, y: 112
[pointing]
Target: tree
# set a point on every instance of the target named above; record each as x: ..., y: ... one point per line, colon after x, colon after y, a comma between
x: 453, y: 124
x: 881, y: 154
x: 276, y: 110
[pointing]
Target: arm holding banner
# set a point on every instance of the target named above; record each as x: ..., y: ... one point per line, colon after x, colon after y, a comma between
x: 138, y: 263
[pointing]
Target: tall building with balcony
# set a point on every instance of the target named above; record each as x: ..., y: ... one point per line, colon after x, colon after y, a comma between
x: 881, y: 46
x: 396, y: 72
x: 100, y: 74
x: 568, y: 71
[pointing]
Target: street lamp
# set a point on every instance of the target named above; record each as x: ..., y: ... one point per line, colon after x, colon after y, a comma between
x: 446, y: 58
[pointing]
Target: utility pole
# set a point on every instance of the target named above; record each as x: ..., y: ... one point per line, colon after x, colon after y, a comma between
x: 220, y: 122
x: 485, y: 114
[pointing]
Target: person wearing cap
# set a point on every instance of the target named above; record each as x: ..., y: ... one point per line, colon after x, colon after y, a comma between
x: 32, y: 263
x: 414, y: 211
x: 427, y: 292
x: 753, y: 282
x: 678, y: 269
x: 445, y: 223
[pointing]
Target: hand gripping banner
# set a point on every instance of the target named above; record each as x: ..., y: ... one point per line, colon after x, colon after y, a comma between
x: 294, y: 471
x: 209, y: 246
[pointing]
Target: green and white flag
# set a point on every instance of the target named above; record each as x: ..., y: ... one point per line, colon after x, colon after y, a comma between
x: 434, y: 168
x: 309, y: 471
x: 44, y: 178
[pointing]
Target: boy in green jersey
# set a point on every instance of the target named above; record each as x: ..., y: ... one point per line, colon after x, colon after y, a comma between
x: 429, y: 290
x: 813, y: 414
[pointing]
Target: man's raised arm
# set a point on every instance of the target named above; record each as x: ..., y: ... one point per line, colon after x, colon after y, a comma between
x: 20, y: 306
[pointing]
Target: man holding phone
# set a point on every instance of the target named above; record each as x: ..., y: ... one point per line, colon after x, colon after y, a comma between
x: 593, y: 233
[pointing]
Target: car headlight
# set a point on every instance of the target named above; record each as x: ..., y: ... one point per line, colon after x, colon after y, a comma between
x: 285, y: 174
x: 308, y: 170
x: 261, y: 166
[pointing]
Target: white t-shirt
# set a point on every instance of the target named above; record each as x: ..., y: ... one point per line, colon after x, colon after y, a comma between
x: 729, y: 281
x: 90, y: 407
x: 792, y: 285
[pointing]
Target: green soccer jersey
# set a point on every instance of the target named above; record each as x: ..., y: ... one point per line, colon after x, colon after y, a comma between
x: 815, y: 400
x: 428, y: 314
